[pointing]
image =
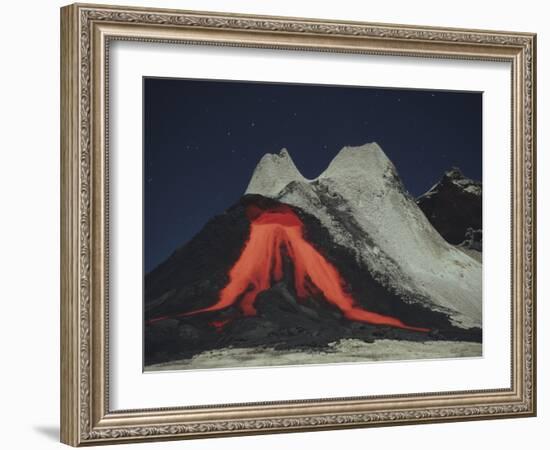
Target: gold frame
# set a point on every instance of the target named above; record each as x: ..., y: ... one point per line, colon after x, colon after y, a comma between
x: 86, y: 31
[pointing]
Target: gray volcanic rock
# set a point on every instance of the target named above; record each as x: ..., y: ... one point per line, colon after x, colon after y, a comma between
x: 454, y: 207
x: 473, y: 240
x: 273, y: 173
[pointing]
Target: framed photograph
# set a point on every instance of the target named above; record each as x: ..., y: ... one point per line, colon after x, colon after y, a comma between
x: 275, y: 224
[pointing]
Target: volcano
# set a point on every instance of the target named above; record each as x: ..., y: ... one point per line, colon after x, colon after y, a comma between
x: 300, y: 264
x: 274, y: 232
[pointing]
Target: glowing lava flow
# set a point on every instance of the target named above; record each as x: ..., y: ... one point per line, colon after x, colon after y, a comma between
x: 261, y: 263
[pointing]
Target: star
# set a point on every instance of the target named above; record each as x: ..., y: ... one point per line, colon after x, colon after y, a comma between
x: 252, y: 124
x: 229, y: 133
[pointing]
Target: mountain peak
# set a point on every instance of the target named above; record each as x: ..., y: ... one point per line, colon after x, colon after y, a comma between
x: 454, y: 206
x: 364, y: 163
x: 284, y: 154
x: 366, y: 151
x: 367, y: 159
x: 457, y: 180
x: 454, y: 180
x: 454, y: 174
x: 273, y: 173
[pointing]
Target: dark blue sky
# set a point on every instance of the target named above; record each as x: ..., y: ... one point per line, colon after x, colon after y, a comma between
x: 203, y: 139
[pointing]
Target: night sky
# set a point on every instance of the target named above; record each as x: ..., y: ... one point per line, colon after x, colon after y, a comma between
x: 203, y: 139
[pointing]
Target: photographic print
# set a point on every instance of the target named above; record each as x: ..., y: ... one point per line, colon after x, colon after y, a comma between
x: 291, y: 224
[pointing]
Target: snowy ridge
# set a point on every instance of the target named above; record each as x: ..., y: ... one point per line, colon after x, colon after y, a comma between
x: 361, y: 201
x: 272, y: 174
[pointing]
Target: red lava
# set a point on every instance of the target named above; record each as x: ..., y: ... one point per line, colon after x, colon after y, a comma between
x: 261, y: 264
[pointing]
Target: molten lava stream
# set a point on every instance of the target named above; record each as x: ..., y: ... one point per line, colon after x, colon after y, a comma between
x: 261, y: 263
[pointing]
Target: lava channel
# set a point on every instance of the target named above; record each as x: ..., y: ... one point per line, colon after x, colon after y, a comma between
x: 261, y: 264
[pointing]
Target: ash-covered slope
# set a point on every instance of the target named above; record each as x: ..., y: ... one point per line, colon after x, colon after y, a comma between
x: 361, y: 202
x: 454, y: 207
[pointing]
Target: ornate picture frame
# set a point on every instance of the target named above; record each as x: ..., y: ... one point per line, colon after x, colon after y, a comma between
x: 87, y: 31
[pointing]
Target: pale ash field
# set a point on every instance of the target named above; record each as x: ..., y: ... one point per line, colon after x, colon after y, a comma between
x: 344, y: 351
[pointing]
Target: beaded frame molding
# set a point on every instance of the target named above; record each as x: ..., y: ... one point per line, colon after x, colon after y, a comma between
x: 86, y: 33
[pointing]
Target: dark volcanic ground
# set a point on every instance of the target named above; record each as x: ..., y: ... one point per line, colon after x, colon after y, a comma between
x: 194, y: 275
x: 454, y: 208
